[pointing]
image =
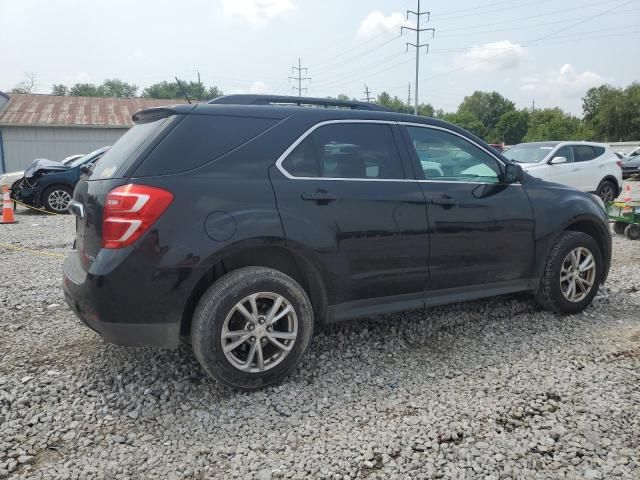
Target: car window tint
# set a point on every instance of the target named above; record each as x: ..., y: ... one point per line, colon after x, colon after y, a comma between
x: 583, y: 153
x: 200, y: 139
x: 599, y: 151
x: 564, y: 152
x: 347, y: 150
x: 448, y: 157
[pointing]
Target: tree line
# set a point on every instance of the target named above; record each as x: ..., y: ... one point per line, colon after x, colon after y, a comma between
x: 609, y: 113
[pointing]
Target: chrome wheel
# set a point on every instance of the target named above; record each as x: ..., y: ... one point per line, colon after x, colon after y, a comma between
x: 59, y: 200
x: 578, y: 274
x: 607, y: 192
x: 259, y: 332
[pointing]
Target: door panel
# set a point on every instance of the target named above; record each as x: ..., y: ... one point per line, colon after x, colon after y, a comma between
x: 345, y: 202
x: 484, y: 235
x: 480, y: 230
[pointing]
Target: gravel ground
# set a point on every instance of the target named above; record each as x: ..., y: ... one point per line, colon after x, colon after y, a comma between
x: 487, y: 389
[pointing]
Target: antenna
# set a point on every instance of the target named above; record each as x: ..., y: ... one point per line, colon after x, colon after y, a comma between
x: 184, y: 92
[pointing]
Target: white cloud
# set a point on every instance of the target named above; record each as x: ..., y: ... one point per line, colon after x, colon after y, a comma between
x: 256, y: 12
x: 491, y: 57
x: 376, y: 23
x: 566, y: 82
x: 258, y: 87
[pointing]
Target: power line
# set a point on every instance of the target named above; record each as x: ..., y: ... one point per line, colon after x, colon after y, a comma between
x: 299, y: 78
x: 418, y: 13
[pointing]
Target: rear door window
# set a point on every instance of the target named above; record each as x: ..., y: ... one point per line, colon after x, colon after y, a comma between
x: 347, y: 150
x: 583, y: 153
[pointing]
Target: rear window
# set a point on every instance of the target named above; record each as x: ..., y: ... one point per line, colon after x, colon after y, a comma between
x: 124, y: 148
x: 199, y: 139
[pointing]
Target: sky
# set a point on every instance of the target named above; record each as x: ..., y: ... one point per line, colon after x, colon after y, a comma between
x: 547, y: 51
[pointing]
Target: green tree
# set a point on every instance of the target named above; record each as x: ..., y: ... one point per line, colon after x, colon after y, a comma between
x: 487, y: 107
x: 195, y: 90
x: 59, y: 90
x: 612, y: 113
x: 511, y: 128
x: 117, y: 88
x: 396, y: 105
x: 86, y: 90
x: 553, y: 124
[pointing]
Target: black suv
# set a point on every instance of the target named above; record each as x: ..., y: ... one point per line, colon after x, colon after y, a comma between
x: 242, y: 222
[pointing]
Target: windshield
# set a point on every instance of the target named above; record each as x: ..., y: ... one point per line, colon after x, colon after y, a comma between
x: 83, y: 159
x: 528, y: 153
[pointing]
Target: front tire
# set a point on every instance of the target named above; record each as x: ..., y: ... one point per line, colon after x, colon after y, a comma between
x: 57, y: 198
x: 572, y: 274
x: 252, y: 327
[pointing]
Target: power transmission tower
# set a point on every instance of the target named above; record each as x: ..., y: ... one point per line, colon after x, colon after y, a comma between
x: 409, y: 95
x: 299, y: 77
x: 418, y: 45
x: 367, y: 94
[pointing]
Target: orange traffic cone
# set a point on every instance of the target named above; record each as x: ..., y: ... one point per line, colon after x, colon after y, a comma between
x: 7, y: 209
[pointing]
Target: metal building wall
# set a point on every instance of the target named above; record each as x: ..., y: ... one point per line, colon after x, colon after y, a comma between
x: 23, y: 144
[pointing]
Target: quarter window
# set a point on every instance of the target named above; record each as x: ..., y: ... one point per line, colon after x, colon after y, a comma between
x: 583, y: 153
x: 448, y: 157
x: 347, y: 150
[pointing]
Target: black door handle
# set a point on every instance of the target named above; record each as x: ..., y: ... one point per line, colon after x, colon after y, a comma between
x: 319, y: 197
x: 444, y: 201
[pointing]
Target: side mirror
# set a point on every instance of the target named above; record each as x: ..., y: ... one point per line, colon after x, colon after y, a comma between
x: 558, y: 160
x: 513, y: 173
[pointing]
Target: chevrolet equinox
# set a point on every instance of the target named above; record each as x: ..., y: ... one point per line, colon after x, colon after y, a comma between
x: 242, y: 222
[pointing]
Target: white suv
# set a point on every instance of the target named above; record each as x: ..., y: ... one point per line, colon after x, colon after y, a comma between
x: 587, y: 166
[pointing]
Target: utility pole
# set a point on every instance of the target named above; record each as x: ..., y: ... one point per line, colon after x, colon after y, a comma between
x: 409, y: 95
x: 367, y: 94
x: 533, y: 105
x: 299, y: 77
x: 417, y: 45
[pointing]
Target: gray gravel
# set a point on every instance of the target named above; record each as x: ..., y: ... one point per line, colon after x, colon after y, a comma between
x: 490, y: 389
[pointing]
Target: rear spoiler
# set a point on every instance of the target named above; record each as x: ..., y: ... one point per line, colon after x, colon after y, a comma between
x: 156, y: 113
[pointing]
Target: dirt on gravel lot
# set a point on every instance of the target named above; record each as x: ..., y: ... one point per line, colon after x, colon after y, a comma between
x: 487, y: 389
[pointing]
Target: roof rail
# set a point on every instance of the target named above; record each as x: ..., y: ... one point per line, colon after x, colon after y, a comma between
x: 245, y: 99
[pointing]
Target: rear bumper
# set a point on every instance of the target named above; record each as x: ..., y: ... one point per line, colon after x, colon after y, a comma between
x: 105, y: 310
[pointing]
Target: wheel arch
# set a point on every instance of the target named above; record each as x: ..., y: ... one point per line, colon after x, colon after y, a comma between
x: 594, y: 230
x: 612, y: 179
x: 277, y: 257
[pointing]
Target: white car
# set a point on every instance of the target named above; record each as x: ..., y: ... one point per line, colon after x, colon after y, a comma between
x: 587, y: 166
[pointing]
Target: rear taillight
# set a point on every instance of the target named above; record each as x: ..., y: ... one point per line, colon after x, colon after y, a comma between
x: 129, y: 211
x: 619, y: 163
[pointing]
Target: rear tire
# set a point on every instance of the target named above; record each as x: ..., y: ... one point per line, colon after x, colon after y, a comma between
x: 554, y: 292
x: 632, y: 232
x: 607, y: 191
x: 244, y: 301
x: 57, y: 198
x: 619, y: 227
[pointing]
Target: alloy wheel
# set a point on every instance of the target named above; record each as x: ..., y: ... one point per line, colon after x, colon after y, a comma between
x: 577, y: 274
x: 607, y: 193
x: 259, y: 332
x: 59, y: 200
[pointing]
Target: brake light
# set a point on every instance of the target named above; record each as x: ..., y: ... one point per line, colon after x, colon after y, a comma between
x: 129, y: 211
x: 619, y: 163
